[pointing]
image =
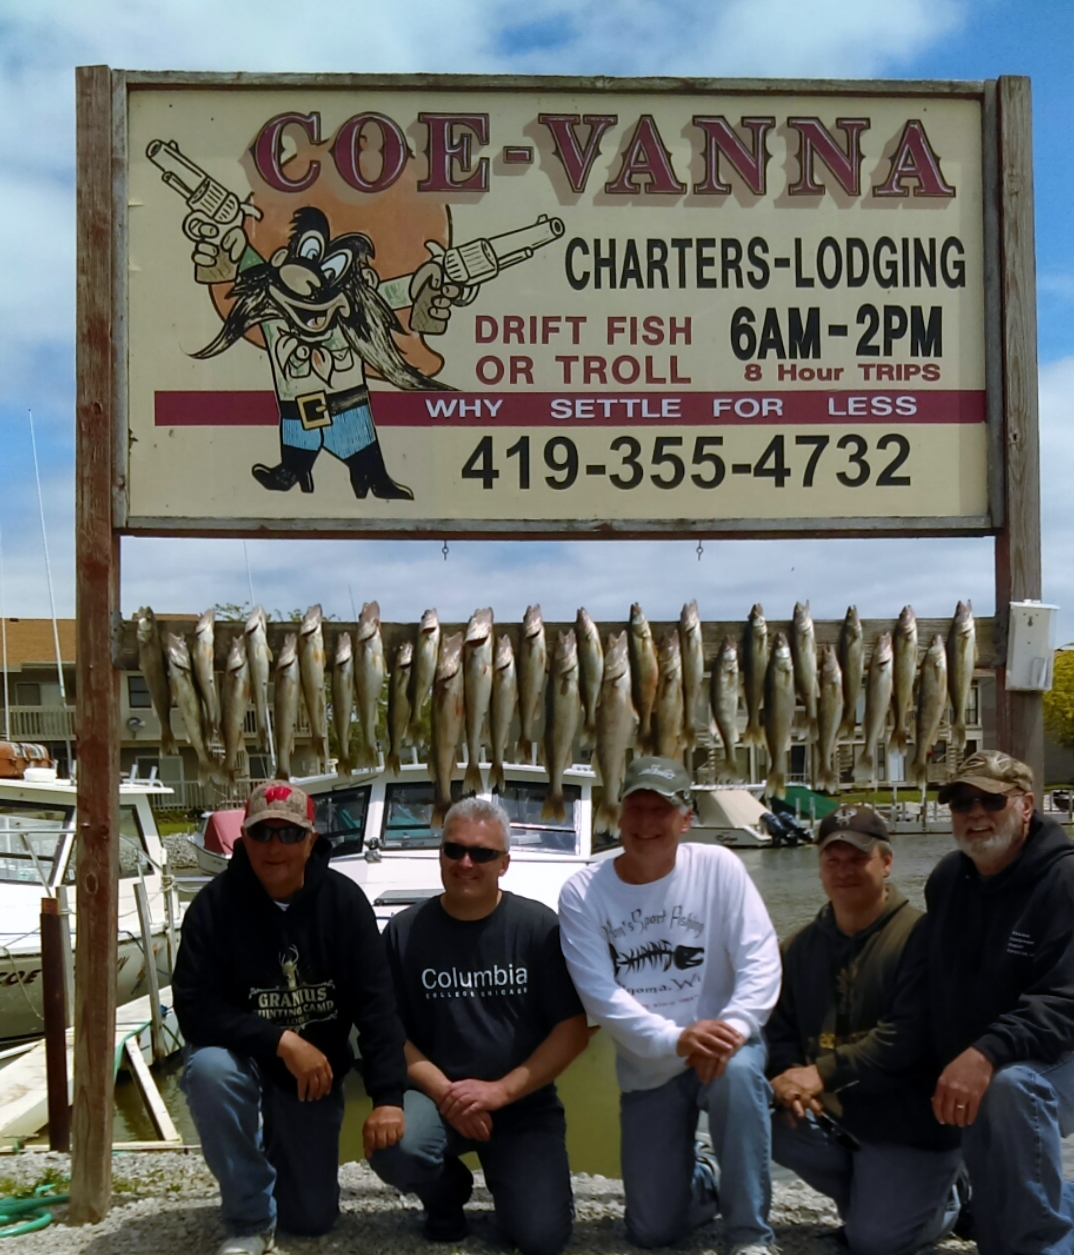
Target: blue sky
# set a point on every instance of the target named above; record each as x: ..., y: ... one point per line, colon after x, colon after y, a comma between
x: 41, y: 42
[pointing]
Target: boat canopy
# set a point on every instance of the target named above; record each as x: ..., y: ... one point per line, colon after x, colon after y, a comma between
x: 728, y: 808
x: 222, y: 830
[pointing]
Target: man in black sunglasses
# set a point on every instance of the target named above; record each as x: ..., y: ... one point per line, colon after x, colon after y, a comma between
x: 1000, y: 931
x: 491, y: 1018
x: 280, y: 957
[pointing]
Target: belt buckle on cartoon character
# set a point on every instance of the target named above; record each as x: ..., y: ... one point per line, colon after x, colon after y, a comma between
x: 313, y: 410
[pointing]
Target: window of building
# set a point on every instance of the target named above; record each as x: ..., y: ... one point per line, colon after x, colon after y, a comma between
x: 27, y: 693
x: 138, y: 693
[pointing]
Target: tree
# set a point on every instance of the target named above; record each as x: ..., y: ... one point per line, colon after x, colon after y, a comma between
x: 1059, y: 702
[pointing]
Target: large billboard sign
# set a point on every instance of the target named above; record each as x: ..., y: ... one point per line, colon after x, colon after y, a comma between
x: 493, y: 307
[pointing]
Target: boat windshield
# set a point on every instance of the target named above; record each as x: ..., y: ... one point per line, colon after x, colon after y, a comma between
x: 31, y: 838
x: 341, y: 818
x: 529, y: 832
x: 408, y: 811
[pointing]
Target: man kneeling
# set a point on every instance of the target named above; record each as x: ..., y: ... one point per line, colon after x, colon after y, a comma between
x: 280, y: 956
x: 847, y: 1048
x: 491, y: 1019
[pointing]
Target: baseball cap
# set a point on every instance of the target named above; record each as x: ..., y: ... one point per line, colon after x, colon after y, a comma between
x: 276, y: 799
x: 859, y: 826
x: 665, y: 776
x: 991, y: 771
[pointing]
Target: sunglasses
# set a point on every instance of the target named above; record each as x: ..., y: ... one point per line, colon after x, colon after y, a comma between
x: 962, y: 803
x: 455, y: 850
x: 291, y: 834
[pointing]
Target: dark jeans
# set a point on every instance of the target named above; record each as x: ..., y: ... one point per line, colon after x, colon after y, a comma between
x: 276, y: 1159
x: 525, y: 1165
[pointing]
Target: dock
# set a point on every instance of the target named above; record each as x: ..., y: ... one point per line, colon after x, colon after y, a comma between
x: 24, y: 1088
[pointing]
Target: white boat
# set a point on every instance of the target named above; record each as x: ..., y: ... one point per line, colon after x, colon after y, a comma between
x: 730, y: 816
x: 37, y: 857
x: 379, y: 827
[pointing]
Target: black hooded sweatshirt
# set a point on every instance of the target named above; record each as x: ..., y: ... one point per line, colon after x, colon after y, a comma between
x: 854, y: 1007
x: 1001, y: 953
x: 247, y: 970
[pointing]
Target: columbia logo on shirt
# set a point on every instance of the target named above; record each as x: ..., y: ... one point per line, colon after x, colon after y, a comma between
x: 453, y: 982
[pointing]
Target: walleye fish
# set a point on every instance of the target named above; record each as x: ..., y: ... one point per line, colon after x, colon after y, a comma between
x: 804, y: 656
x: 236, y: 701
x: 590, y: 672
x: 693, y: 670
x: 399, y: 704
x: 203, y: 657
x: 851, y: 657
x: 423, y: 668
x: 504, y: 707
x: 904, y: 671
x: 477, y: 686
x: 616, y: 720
x: 668, y: 709
x: 931, y: 704
x: 644, y: 675
x: 754, y: 668
x: 311, y: 662
x: 343, y: 700
x: 369, y: 669
x: 532, y: 676
x: 563, y: 713
x: 448, y: 720
x: 778, y: 714
x: 185, y: 695
x: 152, y: 666
x: 259, y: 657
x: 288, y: 684
x: 723, y: 696
x: 961, y: 660
x: 878, y: 686
x: 829, y: 716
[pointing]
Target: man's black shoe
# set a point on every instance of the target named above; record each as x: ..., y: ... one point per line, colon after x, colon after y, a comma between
x: 369, y: 475
x: 446, y: 1222
x: 448, y: 1226
x: 282, y: 478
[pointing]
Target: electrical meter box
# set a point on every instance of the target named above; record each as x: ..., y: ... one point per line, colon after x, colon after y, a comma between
x: 1031, y: 646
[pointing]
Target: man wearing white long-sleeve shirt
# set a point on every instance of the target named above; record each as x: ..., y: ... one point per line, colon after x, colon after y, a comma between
x: 672, y: 951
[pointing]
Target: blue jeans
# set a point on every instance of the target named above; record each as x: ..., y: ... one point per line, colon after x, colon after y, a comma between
x: 892, y: 1199
x: 668, y: 1190
x: 273, y: 1156
x: 1012, y: 1151
x: 525, y: 1165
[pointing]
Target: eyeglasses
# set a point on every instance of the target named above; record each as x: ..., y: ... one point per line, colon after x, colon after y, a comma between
x: 290, y: 834
x: 962, y: 803
x: 455, y: 850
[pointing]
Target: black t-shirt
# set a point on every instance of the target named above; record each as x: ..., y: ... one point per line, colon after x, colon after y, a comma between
x: 477, y: 997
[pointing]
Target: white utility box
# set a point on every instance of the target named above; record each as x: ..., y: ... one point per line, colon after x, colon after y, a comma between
x: 1031, y: 646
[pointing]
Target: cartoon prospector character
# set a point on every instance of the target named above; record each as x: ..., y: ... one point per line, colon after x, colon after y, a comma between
x: 325, y: 316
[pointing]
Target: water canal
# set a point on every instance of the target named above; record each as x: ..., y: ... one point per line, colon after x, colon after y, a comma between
x: 788, y: 882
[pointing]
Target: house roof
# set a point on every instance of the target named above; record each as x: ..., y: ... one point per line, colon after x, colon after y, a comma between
x: 30, y: 641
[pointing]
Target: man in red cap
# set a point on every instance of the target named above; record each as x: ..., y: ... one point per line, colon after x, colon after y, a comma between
x: 280, y: 957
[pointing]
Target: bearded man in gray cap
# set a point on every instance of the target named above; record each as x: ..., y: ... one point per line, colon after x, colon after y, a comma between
x: 1001, y: 999
x: 672, y: 952
x: 848, y: 1053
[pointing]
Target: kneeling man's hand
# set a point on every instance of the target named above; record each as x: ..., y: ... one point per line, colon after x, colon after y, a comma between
x: 384, y: 1127
x: 796, y: 1091
x: 306, y: 1064
x: 467, y: 1106
x: 707, y: 1046
x: 961, y: 1087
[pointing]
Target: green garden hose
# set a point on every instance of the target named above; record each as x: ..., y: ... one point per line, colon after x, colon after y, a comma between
x: 27, y: 1215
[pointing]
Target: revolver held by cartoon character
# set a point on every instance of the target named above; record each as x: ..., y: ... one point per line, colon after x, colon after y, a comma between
x: 215, y: 217
x: 454, y: 276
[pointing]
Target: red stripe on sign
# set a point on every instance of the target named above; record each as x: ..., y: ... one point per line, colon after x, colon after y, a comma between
x: 215, y: 409
x: 620, y: 409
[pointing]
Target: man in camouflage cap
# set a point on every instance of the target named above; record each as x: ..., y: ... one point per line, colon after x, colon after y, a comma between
x: 1000, y: 938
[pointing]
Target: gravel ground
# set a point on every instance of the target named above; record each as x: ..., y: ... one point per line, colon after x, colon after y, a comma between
x: 166, y: 1203
x: 181, y: 855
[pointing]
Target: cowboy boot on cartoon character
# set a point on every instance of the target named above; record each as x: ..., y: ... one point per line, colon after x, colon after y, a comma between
x: 317, y: 305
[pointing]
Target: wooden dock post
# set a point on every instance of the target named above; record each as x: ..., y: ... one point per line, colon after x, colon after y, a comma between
x: 152, y: 981
x: 98, y: 338
x: 53, y: 997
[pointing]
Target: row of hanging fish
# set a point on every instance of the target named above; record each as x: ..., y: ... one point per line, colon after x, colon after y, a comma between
x: 897, y: 681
